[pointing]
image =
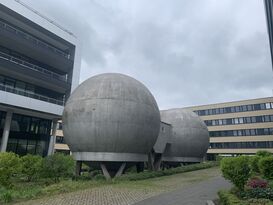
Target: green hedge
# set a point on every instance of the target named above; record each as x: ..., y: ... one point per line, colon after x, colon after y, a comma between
x: 166, y: 172
x: 266, y: 167
x: 227, y: 198
x: 237, y: 170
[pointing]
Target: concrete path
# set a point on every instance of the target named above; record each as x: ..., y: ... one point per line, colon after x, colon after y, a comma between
x: 191, y: 187
x: 195, y: 194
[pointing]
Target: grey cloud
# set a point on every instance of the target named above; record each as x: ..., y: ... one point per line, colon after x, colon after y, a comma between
x: 186, y: 52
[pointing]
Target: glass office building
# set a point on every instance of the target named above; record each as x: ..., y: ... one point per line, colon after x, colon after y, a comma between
x: 39, y: 67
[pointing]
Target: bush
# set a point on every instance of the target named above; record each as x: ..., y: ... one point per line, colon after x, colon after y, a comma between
x: 259, y: 193
x: 58, y: 165
x: 270, y: 184
x: 9, y: 166
x: 262, y: 153
x: 259, y: 202
x: 99, y: 177
x: 256, y: 182
x: 31, y: 166
x: 237, y: 170
x: 226, y: 198
x: 266, y: 167
x: 166, y: 172
x: 6, y: 197
x: 254, y: 162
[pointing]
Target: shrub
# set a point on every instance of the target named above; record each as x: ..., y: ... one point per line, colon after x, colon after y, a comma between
x: 237, y: 170
x: 99, y: 177
x: 259, y: 193
x: 254, y: 160
x: 9, y: 165
x: 166, y: 172
x: 266, y: 167
x: 6, y: 197
x: 259, y: 202
x: 270, y: 184
x: 263, y: 153
x: 58, y: 165
x: 256, y: 182
x: 226, y: 198
x: 31, y: 166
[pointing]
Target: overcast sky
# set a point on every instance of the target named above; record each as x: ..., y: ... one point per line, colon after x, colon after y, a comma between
x: 187, y: 52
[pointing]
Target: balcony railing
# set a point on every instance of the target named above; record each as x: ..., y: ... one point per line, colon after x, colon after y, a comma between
x: 32, y: 67
x: 29, y: 94
x: 32, y: 39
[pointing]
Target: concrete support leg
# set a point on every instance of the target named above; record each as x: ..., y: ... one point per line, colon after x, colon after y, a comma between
x: 105, y: 171
x: 157, y: 162
x: 120, y: 170
x: 52, y: 138
x: 78, y: 168
x: 5, y: 135
x: 151, y: 161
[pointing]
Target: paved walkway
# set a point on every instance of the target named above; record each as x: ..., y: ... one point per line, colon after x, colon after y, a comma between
x: 189, y: 188
x: 193, y: 195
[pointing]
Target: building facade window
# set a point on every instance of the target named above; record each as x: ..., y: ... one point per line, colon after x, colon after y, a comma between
x: 240, y: 120
x: 245, y: 132
x: 242, y: 108
x: 241, y: 145
x: 29, y: 135
x: 23, y: 88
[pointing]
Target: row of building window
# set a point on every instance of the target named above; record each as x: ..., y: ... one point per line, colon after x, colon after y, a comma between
x: 242, y: 108
x: 29, y: 88
x: 26, y: 124
x: 245, y: 132
x: 24, y: 35
x: 241, y: 145
x: 27, y: 146
x: 240, y: 120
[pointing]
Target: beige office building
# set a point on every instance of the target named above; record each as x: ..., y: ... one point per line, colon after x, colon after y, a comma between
x: 240, y: 127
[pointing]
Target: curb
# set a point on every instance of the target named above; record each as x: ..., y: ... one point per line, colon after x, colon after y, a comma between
x: 209, y: 202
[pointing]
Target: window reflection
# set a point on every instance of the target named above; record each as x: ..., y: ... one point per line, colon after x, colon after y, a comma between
x: 29, y: 135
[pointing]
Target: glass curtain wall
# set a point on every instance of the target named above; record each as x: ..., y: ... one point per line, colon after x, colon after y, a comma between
x: 29, y: 135
x: 2, y: 123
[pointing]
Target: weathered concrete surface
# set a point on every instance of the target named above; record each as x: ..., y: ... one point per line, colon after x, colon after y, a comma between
x: 196, y: 194
x: 111, y: 113
x: 164, y: 137
x: 190, y: 138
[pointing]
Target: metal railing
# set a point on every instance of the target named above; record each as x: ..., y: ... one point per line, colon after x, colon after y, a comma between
x: 44, y: 17
x: 32, y: 39
x: 32, y: 66
x: 22, y: 92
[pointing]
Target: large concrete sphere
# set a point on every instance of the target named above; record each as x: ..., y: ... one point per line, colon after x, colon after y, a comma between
x: 190, y: 138
x: 111, y: 117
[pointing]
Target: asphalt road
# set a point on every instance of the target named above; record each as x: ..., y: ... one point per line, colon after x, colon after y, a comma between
x: 196, y: 194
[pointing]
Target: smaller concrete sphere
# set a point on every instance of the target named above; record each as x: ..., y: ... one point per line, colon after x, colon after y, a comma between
x: 190, y: 138
x: 111, y: 117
